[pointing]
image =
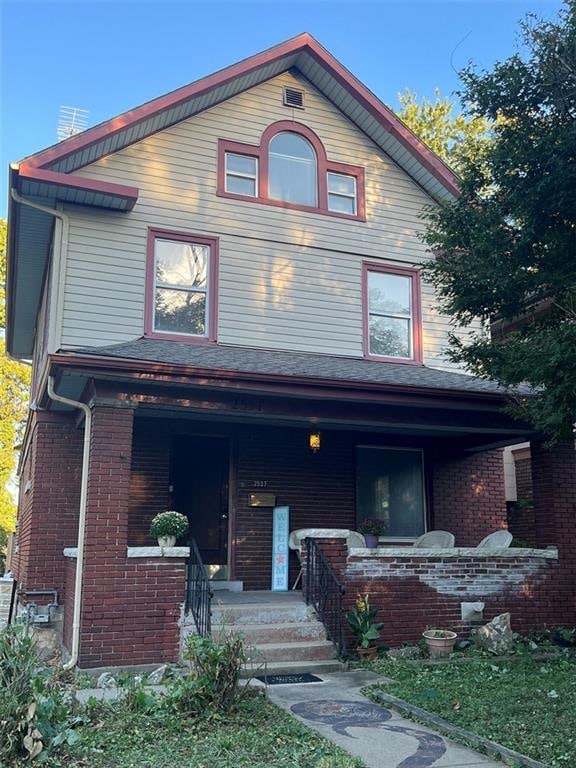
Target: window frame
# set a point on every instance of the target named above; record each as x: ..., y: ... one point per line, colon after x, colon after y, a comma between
x: 416, y: 318
x: 239, y: 175
x: 211, y: 293
x: 425, y: 499
x: 353, y: 197
x: 323, y: 166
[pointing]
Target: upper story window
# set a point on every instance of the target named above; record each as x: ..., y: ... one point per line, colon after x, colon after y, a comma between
x: 392, y: 322
x: 292, y: 174
x: 290, y: 169
x: 181, y: 290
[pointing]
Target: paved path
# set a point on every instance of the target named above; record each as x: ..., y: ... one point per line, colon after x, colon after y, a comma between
x: 378, y: 736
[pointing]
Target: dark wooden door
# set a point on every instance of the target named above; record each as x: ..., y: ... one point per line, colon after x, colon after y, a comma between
x: 200, y: 467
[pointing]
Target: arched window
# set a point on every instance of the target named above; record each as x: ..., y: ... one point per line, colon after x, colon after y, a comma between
x: 292, y: 170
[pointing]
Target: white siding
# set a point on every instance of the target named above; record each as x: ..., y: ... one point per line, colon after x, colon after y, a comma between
x: 288, y: 279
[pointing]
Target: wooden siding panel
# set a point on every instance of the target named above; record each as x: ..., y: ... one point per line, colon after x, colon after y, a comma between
x: 288, y: 279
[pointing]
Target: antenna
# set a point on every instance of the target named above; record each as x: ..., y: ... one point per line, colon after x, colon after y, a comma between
x: 72, y: 120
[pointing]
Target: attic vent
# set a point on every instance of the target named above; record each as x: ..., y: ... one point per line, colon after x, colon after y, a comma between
x: 293, y: 98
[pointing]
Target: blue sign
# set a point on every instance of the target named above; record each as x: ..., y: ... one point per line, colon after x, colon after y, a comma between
x: 280, y: 533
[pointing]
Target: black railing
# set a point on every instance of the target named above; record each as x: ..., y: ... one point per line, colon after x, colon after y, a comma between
x: 324, y: 592
x: 198, y: 591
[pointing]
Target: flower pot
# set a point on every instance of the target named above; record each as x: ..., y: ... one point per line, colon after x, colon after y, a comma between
x: 371, y: 540
x: 439, y: 647
x: 367, y: 653
x: 166, y: 541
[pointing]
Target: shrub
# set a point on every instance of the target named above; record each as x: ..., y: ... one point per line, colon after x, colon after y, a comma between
x: 35, y: 711
x: 373, y: 526
x: 362, y: 622
x: 168, y: 524
x: 211, y: 687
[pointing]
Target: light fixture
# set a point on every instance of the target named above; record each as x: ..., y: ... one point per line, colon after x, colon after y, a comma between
x: 314, y: 441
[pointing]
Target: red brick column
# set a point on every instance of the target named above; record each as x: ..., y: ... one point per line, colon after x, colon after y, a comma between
x: 49, y: 501
x: 130, y: 606
x: 469, y: 499
x: 554, y: 498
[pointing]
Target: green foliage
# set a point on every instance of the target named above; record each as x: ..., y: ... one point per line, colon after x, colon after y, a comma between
x: 211, y: 687
x: 373, y: 526
x: 362, y: 622
x: 525, y: 704
x: 36, y: 711
x: 454, y: 137
x: 168, y: 523
x: 506, y: 248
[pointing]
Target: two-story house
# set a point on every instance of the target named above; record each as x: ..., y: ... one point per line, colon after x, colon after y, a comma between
x: 221, y: 295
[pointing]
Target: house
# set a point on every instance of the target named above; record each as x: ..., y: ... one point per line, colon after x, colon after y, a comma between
x: 212, y: 285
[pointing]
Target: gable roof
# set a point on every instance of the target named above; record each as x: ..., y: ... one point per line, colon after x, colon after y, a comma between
x: 305, y: 54
x: 50, y: 176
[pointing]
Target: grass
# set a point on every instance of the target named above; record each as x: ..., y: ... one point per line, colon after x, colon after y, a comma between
x: 524, y: 704
x: 258, y: 735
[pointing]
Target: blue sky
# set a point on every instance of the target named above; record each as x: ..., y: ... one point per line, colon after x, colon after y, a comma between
x: 112, y: 55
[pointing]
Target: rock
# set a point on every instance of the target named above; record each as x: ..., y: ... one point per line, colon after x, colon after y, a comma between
x: 408, y: 652
x: 106, y: 680
x: 156, y: 677
x: 495, y: 637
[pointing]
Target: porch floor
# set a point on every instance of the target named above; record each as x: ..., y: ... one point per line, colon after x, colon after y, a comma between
x: 257, y: 597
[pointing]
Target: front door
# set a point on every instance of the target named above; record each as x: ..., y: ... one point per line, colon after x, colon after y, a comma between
x: 200, y: 469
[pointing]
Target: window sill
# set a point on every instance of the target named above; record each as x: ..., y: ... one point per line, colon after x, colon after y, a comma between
x: 179, y: 337
x: 290, y: 206
x: 395, y: 360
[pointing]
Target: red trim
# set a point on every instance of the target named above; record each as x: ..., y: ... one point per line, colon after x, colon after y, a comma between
x: 211, y: 293
x: 324, y: 166
x: 130, y: 194
x: 414, y: 275
x: 304, y: 44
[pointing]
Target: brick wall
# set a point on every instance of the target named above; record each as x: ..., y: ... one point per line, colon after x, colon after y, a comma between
x: 48, y: 510
x: 468, y: 496
x: 554, y: 497
x: 414, y: 593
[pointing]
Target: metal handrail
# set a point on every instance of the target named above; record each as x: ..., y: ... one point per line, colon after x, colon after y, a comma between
x: 324, y: 592
x: 198, y: 592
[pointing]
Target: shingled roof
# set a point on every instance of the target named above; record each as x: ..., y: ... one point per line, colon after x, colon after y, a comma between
x: 313, y: 366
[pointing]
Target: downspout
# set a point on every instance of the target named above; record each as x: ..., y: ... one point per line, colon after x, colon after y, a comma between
x: 73, y: 660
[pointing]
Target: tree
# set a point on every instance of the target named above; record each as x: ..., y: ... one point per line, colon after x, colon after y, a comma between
x: 507, y: 247
x: 452, y: 136
x: 14, y: 386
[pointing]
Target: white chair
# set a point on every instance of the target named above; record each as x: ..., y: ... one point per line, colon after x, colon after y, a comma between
x: 497, y: 540
x: 296, y: 539
x: 435, y: 540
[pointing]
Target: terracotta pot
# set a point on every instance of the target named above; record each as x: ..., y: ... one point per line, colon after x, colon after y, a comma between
x: 166, y: 541
x: 439, y: 647
x: 367, y: 653
x: 371, y: 540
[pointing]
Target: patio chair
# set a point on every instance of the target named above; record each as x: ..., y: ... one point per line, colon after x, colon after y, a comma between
x: 497, y: 540
x: 296, y: 539
x: 435, y: 540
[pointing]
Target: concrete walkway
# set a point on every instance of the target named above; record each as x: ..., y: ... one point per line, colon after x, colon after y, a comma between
x: 379, y: 737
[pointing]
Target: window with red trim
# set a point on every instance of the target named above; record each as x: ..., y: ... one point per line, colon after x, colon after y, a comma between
x: 181, y: 286
x: 290, y: 169
x: 392, y: 320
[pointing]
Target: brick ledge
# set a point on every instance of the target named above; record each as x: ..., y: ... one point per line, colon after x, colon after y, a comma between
x: 142, y: 552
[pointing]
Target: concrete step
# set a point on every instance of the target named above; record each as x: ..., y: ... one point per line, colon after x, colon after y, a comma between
x: 255, y: 634
x: 317, y: 650
x: 261, y: 613
x: 292, y: 668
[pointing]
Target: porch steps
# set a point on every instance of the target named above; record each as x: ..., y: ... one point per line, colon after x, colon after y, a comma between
x: 282, y: 634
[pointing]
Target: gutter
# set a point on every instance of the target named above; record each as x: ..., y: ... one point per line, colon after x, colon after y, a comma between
x: 81, y: 519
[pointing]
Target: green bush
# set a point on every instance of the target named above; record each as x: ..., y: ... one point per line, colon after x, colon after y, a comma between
x: 36, y: 710
x: 168, y: 524
x: 211, y: 687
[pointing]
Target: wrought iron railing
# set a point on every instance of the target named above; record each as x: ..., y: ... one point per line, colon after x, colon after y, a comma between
x: 198, y: 591
x: 324, y: 592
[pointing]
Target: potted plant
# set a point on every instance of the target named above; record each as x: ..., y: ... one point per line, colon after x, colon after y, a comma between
x: 372, y: 528
x: 440, y: 642
x: 363, y: 626
x: 167, y: 527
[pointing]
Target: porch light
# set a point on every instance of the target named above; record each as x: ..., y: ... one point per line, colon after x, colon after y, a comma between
x: 314, y: 441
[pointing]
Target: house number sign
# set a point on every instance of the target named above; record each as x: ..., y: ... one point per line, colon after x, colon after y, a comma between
x: 280, y: 531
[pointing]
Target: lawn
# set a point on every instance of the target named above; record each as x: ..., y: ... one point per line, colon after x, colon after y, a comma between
x: 524, y: 704
x: 259, y: 735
